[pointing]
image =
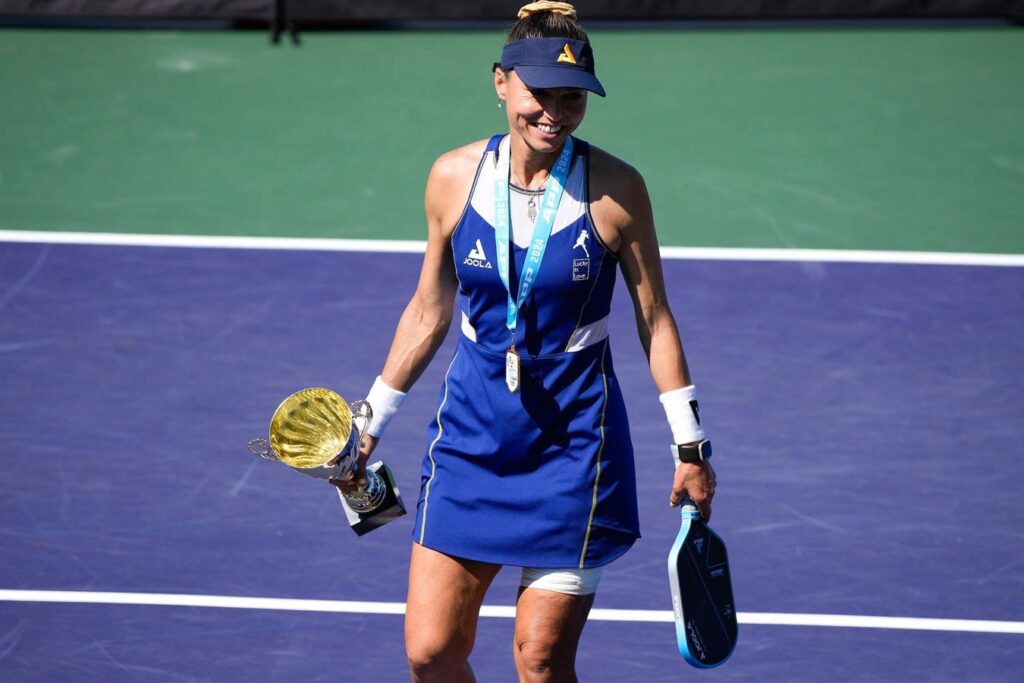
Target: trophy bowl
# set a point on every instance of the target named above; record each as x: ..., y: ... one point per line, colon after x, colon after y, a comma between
x: 311, y: 428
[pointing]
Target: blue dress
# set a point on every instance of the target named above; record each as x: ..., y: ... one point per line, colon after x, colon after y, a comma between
x: 543, y: 477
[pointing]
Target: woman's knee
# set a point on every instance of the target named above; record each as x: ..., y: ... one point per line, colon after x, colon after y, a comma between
x: 545, y: 659
x: 436, y: 659
x: 548, y: 628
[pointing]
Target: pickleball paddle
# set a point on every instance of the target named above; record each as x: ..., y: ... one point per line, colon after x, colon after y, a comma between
x: 698, y: 571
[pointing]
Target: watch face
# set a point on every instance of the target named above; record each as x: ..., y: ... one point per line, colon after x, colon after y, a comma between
x: 696, y: 453
x: 688, y: 453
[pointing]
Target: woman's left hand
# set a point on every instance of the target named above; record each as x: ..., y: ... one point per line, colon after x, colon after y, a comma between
x: 696, y: 480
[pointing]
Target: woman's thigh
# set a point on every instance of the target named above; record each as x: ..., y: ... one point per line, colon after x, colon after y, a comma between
x: 547, y: 632
x: 445, y: 595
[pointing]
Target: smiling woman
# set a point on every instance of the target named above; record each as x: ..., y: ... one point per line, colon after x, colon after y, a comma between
x: 530, y: 462
x: 546, y: 69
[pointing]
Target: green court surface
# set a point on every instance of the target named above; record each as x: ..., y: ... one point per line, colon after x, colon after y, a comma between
x: 864, y: 139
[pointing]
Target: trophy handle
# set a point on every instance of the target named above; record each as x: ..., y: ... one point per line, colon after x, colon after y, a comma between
x: 361, y: 410
x: 369, y: 496
x: 261, y: 448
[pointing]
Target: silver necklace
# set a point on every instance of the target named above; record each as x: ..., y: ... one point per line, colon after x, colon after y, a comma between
x: 531, y: 198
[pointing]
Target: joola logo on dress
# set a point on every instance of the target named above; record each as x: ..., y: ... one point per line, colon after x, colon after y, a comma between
x: 567, y: 55
x: 477, y: 257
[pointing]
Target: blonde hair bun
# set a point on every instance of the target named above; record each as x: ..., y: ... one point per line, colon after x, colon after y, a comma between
x: 563, y: 8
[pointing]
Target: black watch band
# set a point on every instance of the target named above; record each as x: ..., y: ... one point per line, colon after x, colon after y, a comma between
x: 694, y: 453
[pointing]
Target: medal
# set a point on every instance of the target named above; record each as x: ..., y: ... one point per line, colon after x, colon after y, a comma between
x: 538, y: 243
x: 512, y: 370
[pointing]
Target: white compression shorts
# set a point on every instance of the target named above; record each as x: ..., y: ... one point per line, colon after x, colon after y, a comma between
x: 567, y: 581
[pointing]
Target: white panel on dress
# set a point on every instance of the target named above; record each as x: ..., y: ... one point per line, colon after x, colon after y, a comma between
x: 588, y: 335
x: 569, y: 209
x: 467, y: 328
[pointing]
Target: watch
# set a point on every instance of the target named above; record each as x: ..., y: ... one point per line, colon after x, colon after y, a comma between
x: 695, y: 453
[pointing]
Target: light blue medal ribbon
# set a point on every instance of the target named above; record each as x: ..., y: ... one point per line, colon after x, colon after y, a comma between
x: 538, y: 243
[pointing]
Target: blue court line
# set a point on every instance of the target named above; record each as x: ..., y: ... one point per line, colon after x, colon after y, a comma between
x: 500, y: 611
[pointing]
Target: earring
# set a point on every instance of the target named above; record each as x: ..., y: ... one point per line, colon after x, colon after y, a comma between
x: 501, y: 103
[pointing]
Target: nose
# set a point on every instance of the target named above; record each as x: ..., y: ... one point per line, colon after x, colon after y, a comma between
x: 553, y: 107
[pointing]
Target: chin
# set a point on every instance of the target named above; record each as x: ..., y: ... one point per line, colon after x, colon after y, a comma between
x: 547, y: 141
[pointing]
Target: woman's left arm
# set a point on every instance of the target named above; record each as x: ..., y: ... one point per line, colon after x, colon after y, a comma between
x: 624, y: 211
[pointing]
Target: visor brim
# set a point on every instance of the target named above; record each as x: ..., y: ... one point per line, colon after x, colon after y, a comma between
x: 548, y: 77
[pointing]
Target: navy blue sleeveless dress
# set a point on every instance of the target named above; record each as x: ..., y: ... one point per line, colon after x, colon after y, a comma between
x: 543, y: 477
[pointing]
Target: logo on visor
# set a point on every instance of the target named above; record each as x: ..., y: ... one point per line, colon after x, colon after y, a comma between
x: 567, y: 55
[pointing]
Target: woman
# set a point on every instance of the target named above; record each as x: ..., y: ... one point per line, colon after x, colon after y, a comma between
x: 529, y: 461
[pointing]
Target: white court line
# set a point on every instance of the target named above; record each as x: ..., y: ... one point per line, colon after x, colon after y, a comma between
x: 634, y: 615
x: 417, y: 247
x: 214, y: 241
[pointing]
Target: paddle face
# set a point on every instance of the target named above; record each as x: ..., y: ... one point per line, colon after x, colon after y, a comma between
x: 698, y: 570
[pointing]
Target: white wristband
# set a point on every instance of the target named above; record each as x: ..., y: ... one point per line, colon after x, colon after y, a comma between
x: 683, y: 414
x: 384, y: 402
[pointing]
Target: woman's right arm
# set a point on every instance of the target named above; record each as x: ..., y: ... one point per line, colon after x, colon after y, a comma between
x: 425, y: 321
x: 428, y: 315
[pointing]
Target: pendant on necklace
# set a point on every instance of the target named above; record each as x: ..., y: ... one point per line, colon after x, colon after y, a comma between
x: 531, y: 208
x: 512, y: 369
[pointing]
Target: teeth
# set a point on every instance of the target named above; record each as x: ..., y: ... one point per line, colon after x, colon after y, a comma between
x: 548, y: 129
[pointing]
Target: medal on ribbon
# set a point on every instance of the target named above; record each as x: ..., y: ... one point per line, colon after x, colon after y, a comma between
x: 538, y: 244
x: 512, y: 369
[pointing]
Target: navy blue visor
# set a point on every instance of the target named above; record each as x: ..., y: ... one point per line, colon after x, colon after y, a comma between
x: 545, y: 63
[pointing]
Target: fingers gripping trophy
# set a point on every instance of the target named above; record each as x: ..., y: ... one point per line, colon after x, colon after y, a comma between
x: 316, y: 432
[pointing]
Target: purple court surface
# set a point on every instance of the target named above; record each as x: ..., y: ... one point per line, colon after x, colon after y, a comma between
x: 868, y: 422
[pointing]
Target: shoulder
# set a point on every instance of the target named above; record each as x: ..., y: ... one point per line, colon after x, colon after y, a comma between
x: 605, y: 166
x: 450, y: 182
x: 611, y: 176
x: 455, y: 165
x: 618, y: 195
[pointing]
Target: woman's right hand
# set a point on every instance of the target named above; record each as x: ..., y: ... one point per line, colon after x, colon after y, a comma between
x: 358, y: 478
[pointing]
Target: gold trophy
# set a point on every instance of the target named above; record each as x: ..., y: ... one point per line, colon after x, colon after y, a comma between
x: 314, y: 432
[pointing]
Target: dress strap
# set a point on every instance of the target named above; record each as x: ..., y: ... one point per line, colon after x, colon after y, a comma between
x: 582, y: 147
x: 492, y: 144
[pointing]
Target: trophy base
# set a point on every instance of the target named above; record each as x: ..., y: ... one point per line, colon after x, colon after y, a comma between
x: 391, y: 508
